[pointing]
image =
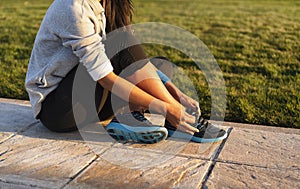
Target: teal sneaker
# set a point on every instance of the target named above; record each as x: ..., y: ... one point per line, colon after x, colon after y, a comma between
x: 140, y: 130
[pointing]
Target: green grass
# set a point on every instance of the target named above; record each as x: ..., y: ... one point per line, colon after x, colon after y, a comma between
x: 256, y: 44
x: 19, y: 22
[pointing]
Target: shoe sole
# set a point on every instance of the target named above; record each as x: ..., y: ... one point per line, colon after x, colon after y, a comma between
x: 178, y: 134
x: 124, y: 133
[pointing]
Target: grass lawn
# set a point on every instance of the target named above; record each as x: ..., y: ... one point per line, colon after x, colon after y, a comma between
x: 256, y: 44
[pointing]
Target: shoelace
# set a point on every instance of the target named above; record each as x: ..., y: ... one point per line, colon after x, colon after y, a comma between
x: 200, y: 122
x: 140, y: 117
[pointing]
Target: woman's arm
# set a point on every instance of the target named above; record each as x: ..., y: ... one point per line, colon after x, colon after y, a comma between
x: 183, y: 98
x: 175, y: 113
x: 179, y: 95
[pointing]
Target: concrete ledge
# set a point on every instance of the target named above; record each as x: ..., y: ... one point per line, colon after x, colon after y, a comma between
x: 33, y: 157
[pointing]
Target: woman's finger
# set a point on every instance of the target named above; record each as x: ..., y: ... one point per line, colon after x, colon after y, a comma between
x: 188, y: 118
x: 187, y: 128
x: 184, y: 129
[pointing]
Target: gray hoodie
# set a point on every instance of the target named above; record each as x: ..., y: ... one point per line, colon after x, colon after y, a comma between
x: 70, y: 33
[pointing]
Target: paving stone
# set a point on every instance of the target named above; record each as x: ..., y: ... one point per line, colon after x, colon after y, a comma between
x: 93, y: 135
x: 261, y: 157
x: 242, y: 176
x: 128, y: 168
x: 19, y: 115
x: 179, y: 148
x: 14, y: 117
x: 3, y: 150
x: 42, y: 162
x: 18, y: 182
x: 262, y: 148
x: 4, y: 185
x: 39, y: 131
x: 5, y: 136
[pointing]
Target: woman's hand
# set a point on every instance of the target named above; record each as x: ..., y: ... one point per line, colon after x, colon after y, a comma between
x: 183, y: 99
x: 180, y: 119
x: 190, y: 103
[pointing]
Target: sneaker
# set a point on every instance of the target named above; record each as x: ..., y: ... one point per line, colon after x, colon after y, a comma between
x: 207, y: 132
x: 139, y: 130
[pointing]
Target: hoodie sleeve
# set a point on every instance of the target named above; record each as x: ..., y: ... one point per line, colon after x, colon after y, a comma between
x: 79, y: 29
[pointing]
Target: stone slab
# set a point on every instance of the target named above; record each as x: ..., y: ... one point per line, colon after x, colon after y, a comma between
x: 5, y: 136
x: 15, y: 116
x: 262, y: 148
x: 243, y: 176
x: 129, y: 168
x: 42, y: 162
x: 39, y: 131
x: 178, y: 147
x: 18, y: 116
x: 4, y: 185
x: 94, y: 135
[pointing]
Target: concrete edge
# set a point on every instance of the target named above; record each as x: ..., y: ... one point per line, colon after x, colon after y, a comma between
x: 15, y: 101
x: 258, y: 127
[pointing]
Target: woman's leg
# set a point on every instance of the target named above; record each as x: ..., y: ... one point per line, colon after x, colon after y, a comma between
x: 133, y: 65
x: 57, y: 112
x: 148, y: 80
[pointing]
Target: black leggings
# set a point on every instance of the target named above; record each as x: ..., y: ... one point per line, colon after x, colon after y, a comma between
x: 57, y: 109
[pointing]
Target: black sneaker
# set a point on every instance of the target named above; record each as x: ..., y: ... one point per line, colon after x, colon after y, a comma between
x: 207, y: 132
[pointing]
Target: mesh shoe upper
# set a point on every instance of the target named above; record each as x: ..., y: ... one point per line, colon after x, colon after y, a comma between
x: 206, y: 129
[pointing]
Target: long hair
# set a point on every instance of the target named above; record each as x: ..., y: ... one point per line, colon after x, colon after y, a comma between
x: 118, y: 13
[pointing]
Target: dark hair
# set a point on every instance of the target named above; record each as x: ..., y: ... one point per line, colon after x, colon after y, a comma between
x: 118, y: 13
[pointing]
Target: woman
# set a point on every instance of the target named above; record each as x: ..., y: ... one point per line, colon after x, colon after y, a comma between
x: 70, y: 42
